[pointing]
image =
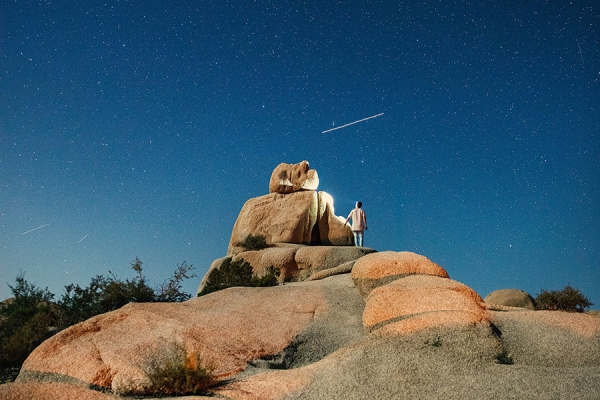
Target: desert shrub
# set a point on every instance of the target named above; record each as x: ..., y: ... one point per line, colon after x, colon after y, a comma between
x: 268, y: 279
x: 230, y: 274
x: 106, y: 294
x: 504, y: 358
x: 175, y: 372
x: 26, y: 321
x: 32, y: 316
x: 254, y: 242
x: 567, y: 299
x: 237, y: 273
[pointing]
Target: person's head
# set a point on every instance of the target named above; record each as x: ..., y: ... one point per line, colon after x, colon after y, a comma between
x: 358, y: 204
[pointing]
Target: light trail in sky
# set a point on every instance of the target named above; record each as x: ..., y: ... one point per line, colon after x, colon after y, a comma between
x: 80, y: 240
x: 352, y: 123
x: 39, y: 227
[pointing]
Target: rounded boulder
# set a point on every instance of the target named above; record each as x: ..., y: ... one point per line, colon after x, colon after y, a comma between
x: 377, y: 269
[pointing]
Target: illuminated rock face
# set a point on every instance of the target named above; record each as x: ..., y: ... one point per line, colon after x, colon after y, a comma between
x: 305, y: 217
x: 290, y: 178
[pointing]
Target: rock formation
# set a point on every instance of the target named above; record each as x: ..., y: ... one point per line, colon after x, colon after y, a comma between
x: 396, y: 326
x: 290, y: 178
x: 420, y: 335
x: 293, y: 216
x: 511, y: 298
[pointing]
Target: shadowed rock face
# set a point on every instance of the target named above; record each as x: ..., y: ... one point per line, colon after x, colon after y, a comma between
x: 295, y: 262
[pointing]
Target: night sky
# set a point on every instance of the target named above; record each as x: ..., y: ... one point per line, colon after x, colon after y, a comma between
x: 139, y: 129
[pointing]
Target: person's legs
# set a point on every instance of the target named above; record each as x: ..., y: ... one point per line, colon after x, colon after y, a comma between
x: 361, y: 236
x: 356, y: 238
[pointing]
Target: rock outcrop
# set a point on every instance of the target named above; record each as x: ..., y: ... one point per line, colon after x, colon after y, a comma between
x: 511, y: 298
x: 228, y: 329
x: 305, y: 217
x: 290, y: 178
x: 384, y: 267
x: 293, y: 215
x: 295, y: 262
x: 306, y: 340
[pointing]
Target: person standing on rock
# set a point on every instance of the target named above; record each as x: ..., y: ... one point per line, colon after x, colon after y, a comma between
x: 359, y: 224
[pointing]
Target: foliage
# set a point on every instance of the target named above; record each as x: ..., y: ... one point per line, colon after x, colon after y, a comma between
x: 32, y: 316
x: 268, y: 279
x: 177, y: 373
x: 106, y: 294
x: 237, y: 273
x: 171, y: 290
x: 254, y: 242
x: 26, y: 321
x: 567, y: 299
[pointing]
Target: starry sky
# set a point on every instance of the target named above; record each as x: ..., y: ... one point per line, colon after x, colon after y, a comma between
x: 139, y: 128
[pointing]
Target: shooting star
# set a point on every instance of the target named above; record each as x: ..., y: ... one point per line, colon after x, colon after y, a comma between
x: 80, y: 240
x: 39, y: 227
x: 579, y: 47
x: 352, y: 123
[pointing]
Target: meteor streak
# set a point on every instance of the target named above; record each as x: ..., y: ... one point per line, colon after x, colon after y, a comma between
x: 39, y: 227
x: 352, y: 123
x: 80, y: 240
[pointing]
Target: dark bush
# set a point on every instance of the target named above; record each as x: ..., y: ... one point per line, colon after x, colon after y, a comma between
x: 237, y: 273
x: 25, y: 322
x: 254, y: 242
x: 32, y: 316
x: 568, y: 299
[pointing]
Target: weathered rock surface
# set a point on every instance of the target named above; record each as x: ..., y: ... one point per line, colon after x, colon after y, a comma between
x: 422, y: 301
x: 228, y: 329
x: 511, y: 298
x: 289, y: 178
x: 312, y: 259
x: 305, y: 340
x: 49, y: 391
x: 378, y: 269
x: 305, y: 217
x: 296, y: 262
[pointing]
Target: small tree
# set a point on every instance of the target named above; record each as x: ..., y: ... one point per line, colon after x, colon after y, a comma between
x: 568, y: 299
x: 254, y: 242
x: 25, y: 322
x: 237, y: 273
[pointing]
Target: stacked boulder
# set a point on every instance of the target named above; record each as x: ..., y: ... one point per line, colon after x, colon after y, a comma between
x: 406, y: 292
x: 303, y: 234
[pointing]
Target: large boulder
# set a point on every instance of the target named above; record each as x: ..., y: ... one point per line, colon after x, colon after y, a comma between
x: 511, y: 298
x: 280, y: 218
x: 305, y: 217
x: 422, y: 301
x: 378, y: 269
x: 228, y: 329
x: 290, y: 178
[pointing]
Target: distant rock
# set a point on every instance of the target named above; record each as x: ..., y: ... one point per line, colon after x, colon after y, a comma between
x: 511, y: 298
x: 290, y: 178
x: 378, y: 269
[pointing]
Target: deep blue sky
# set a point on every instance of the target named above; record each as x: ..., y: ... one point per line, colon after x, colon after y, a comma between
x: 139, y: 129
